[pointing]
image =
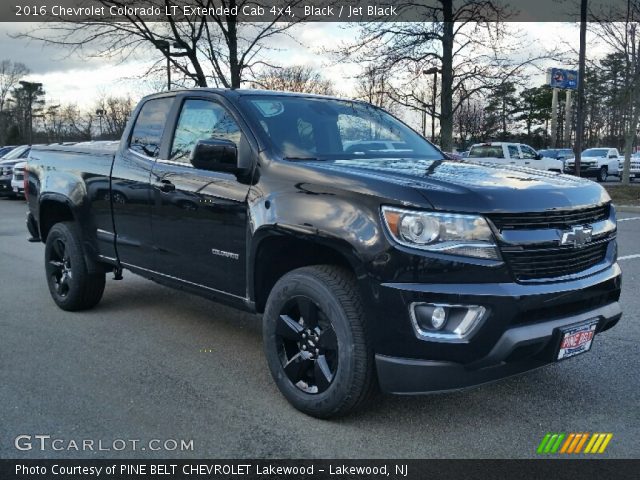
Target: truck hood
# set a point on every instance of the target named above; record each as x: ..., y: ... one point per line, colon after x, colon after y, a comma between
x: 473, y: 187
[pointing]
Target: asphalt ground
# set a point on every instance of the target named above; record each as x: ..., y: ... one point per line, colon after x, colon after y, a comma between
x: 150, y: 363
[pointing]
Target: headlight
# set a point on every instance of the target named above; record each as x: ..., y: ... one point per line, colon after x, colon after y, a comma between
x: 456, y: 234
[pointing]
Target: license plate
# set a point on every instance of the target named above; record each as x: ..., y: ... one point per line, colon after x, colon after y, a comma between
x: 577, y: 340
x: 16, y: 189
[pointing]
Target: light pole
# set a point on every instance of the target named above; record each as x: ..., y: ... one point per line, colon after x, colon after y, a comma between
x: 165, y: 47
x: 32, y: 89
x: 434, y: 71
x: 100, y: 113
x: 581, y: 73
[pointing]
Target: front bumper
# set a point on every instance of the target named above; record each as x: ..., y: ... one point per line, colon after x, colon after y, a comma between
x: 521, y: 334
x: 584, y: 172
x: 5, y: 186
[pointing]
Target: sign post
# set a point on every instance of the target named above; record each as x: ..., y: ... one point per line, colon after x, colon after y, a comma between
x: 560, y: 78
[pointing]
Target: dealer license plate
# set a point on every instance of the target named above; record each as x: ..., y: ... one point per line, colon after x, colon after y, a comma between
x: 577, y: 340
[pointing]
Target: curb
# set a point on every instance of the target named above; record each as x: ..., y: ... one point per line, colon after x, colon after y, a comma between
x: 628, y: 208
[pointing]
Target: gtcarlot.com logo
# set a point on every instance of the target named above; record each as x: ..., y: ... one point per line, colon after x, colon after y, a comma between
x: 49, y: 443
x: 573, y: 443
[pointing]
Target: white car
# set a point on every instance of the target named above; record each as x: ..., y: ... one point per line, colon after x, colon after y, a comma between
x: 596, y: 162
x: 17, y: 181
x: 634, y: 171
x: 506, y: 153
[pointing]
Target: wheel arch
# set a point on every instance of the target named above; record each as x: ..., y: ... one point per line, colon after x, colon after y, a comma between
x: 55, y: 208
x: 276, y: 251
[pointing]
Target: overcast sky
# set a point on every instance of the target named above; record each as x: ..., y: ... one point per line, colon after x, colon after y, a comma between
x: 74, y: 79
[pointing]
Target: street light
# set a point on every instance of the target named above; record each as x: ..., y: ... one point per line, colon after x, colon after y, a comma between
x: 165, y: 47
x: 31, y: 88
x: 434, y: 71
x: 101, y: 113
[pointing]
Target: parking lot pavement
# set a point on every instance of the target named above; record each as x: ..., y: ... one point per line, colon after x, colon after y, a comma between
x: 153, y: 363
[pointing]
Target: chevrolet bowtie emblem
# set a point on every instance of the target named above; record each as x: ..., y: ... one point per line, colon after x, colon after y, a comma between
x: 578, y: 236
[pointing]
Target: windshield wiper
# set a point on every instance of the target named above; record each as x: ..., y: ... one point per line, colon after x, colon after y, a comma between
x: 301, y: 159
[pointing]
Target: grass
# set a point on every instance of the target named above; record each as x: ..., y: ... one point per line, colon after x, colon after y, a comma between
x: 625, y: 194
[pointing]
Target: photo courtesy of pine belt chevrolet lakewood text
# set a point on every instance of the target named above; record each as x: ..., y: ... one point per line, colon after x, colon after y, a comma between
x: 376, y: 263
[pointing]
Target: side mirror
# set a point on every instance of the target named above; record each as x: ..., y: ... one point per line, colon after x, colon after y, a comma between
x: 538, y: 156
x: 216, y: 155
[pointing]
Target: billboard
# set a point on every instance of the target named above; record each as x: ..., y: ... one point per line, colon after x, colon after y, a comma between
x: 561, y: 78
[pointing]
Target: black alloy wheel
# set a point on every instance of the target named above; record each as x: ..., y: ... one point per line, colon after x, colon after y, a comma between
x: 316, y: 341
x: 307, y: 345
x: 59, y: 270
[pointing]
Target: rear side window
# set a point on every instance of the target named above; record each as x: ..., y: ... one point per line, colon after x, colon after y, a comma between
x: 147, y: 132
x: 513, y: 151
x: 488, y: 151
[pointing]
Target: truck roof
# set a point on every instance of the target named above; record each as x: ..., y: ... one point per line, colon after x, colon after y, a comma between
x: 239, y: 92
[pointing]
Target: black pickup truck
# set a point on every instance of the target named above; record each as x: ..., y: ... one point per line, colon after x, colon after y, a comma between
x: 374, y: 261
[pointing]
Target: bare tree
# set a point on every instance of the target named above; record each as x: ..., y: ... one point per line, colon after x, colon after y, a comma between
x: 114, y: 114
x: 207, y: 50
x: 465, y: 41
x: 373, y: 86
x: 623, y: 38
x: 297, y: 78
x: 10, y: 74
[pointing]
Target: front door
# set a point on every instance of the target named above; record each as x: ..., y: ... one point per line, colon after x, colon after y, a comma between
x: 199, y: 217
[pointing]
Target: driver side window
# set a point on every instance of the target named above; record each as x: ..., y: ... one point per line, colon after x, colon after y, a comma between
x: 527, y: 152
x: 201, y: 120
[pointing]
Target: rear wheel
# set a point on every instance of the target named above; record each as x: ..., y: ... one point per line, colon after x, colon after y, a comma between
x: 315, y: 341
x: 71, y: 286
x: 603, y: 173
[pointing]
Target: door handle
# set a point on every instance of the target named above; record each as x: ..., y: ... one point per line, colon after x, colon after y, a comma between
x: 166, y: 186
x: 527, y: 163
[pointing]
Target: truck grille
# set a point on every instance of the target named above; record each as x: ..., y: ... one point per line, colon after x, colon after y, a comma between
x: 534, y: 263
x: 18, y: 176
x: 562, y: 219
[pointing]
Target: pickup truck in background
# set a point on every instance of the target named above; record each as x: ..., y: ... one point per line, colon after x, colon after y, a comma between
x: 634, y: 167
x: 596, y: 162
x: 518, y: 154
x: 393, y: 269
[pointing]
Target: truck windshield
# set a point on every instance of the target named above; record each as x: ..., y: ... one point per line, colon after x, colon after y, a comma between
x: 486, y: 151
x: 306, y: 128
x: 595, y: 152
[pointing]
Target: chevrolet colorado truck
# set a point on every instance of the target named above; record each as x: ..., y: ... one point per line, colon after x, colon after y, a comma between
x: 395, y: 270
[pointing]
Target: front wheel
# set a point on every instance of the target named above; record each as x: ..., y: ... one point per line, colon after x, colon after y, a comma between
x: 603, y: 173
x: 316, y: 343
x: 71, y: 285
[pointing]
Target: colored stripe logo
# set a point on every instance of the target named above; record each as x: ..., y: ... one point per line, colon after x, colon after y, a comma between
x: 572, y: 443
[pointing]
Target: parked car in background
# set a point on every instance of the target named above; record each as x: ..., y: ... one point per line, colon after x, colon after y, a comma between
x: 17, y: 181
x: 561, y: 154
x: 5, y: 150
x: 505, y: 153
x: 634, y: 170
x: 596, y: 162
x: 7, y: 163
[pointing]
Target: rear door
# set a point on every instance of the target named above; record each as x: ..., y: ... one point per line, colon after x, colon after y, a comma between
x: 130, y: 191
x: 199, y: 217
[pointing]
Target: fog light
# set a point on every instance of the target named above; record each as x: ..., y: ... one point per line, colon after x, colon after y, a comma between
x: 446, y: 322
x: 438, y: 318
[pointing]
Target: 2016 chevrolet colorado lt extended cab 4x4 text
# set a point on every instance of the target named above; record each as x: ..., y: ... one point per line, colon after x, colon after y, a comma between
x: 372, y: 267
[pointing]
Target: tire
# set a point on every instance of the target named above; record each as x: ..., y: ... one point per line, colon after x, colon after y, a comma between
x: 338, y: 376
x: 603, y: 173
x: 71, y: 286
